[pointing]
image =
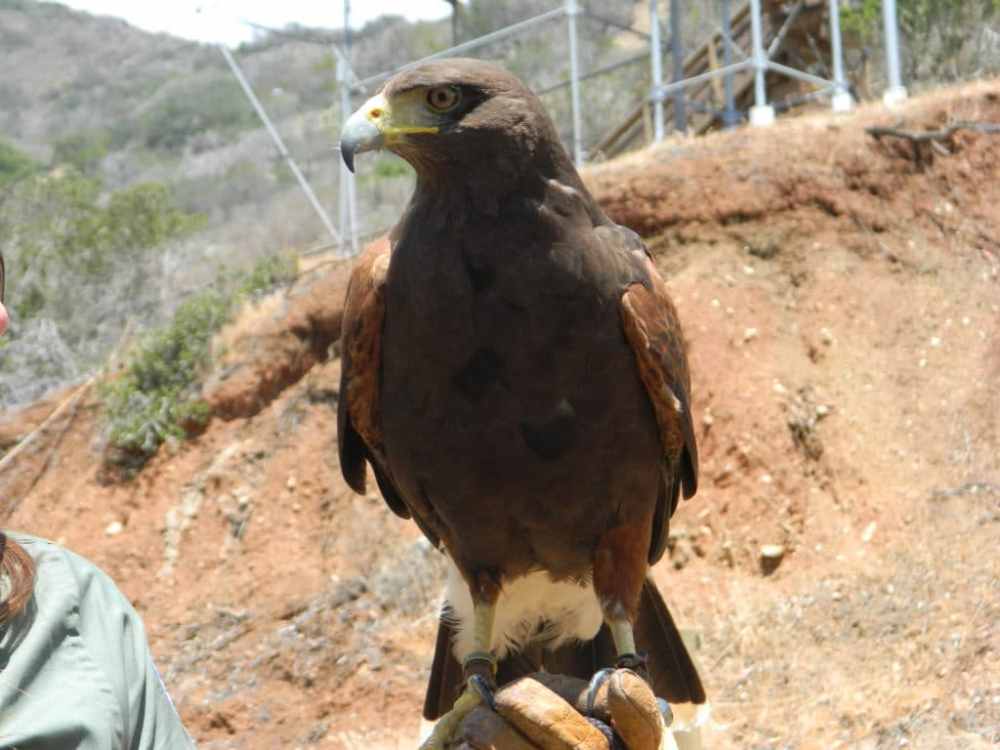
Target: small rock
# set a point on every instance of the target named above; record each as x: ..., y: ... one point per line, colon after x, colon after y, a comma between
x: 869, y: 532
x: 750, y: 334
x: 771, y: 556
x: 826, y: 336
x: 114, y: 528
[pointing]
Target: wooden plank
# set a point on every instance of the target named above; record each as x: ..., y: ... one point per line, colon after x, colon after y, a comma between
x: 606, y: 143
x: 700, y: 60
x: 713, y: 64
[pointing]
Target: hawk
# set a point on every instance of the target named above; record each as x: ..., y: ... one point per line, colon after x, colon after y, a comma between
x: 515, y: 375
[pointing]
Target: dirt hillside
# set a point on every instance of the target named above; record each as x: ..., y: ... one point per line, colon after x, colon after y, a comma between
x: 842, y: 298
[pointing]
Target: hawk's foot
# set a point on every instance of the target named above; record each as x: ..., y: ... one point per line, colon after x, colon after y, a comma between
x: 479, y: 687
x: 636, y: 662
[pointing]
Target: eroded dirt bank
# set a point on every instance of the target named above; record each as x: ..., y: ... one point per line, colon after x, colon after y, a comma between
x: 843, y: 305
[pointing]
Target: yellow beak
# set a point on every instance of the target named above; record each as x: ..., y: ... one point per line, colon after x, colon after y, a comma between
x: 376, y: 125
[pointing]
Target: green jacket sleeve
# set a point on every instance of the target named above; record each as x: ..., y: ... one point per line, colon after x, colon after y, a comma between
x: 75, y: 668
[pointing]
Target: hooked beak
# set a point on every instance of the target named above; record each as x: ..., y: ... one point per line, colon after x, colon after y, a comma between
x: 381, y: 124
x: 363, y: 130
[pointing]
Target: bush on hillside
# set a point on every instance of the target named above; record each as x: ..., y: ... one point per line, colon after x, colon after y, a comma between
x: 80, y: 265
x: 83, y: 150
x: 942, y: 40
x: 215, y: 104
x: 14, y: 164
x: 153, y: 400
x: 268, y: 272
x: 156, y: 398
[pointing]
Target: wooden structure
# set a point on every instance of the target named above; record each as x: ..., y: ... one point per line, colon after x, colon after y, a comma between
x: 794, y: 33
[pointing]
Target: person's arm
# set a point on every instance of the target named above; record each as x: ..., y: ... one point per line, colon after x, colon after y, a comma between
x: 75, y: 669
x: 114, y: 633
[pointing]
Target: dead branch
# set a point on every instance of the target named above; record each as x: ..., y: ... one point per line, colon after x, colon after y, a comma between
x: 969, y: 488
x: 69, y: 402
x: 926, y: 141
x: 878, y: 131
x: 73, y: 407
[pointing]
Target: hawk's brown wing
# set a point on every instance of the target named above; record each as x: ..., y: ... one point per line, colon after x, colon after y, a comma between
x: 359, y: 429
x: 654, y: 332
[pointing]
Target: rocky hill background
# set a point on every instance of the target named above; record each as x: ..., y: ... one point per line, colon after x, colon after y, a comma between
x: 174, y: 365
x: 134, y: 174
x: 844, y: 317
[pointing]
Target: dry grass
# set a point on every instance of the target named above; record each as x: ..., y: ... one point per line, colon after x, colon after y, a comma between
x: 897, y: 647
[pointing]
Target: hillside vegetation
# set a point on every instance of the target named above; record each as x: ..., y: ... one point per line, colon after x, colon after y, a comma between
x: 169, y: 385
x: 841, y: 301
x: 133, y: 172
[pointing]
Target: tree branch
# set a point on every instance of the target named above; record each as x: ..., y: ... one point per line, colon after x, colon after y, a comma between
x: 943, y: 134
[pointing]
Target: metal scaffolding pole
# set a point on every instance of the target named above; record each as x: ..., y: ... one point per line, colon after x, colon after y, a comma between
x: 801, y: 75
x: 656, y: 69
x: 574, y: 74
x: 670, y: 88
x: 729, y: 116
x: 345, y: 77
x: 841, y: 100
x: 279, y: 144
x: 677, y: 55
x: 348, y: 201
x: 761, y: 114
x: 343, y: 211
x: 896, y: 91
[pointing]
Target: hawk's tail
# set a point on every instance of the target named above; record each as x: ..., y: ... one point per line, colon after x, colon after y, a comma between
x: 672, y: 671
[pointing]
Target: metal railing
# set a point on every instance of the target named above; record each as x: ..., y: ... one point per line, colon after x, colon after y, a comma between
x: 759, y: 60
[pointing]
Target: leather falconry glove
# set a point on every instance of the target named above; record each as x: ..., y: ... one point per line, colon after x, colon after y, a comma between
x: 615, y: 711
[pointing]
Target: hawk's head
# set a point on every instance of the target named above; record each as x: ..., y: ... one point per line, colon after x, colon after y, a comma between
x: 447, y: 116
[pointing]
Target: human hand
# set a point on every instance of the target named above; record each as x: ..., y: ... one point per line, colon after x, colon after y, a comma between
x: 546, y: 711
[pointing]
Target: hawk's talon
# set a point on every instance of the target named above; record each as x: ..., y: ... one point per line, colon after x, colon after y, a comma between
x: 665, y: 711
x: 448, y: 725
x: 482, y: 688
x: 596, y: 681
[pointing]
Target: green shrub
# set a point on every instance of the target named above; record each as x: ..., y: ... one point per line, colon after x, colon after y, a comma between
x: 267, y: 273
x: 938, y: 36
x: 14, y: 164
x: 56, y: 224
x: 217, y: 104
x: 83, y: 150
x: 154, y: 399
x: 144, y: 216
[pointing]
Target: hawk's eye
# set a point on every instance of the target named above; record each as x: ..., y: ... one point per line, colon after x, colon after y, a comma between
x: 443, y: 98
